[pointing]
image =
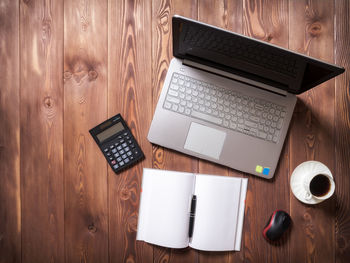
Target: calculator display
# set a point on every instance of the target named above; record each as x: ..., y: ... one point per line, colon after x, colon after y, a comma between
x: 110, y: 132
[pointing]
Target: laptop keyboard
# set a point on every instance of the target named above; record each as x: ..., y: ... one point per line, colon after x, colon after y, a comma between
x: 229, y: 109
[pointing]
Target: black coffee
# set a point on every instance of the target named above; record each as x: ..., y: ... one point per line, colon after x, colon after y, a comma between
x: 320, y: 185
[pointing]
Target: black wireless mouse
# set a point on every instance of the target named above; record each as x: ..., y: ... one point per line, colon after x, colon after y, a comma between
x: 278, y: 223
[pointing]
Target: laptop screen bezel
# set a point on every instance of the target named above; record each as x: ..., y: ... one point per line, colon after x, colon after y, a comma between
x: 294, y: 86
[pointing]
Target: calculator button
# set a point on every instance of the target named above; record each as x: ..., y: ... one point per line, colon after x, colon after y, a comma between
x: 108, y: 154
x: 125, y: 133
x: 116, y: 155
x: 129, y: 142
x: 127, y: 137
x: 126, y: 160
x: 136, y: 152
x: 131, y: 157
x: 119, y: 137
x: 132, y: 146
x: 114, y: 150
x: 124, y: 156
x: 119, y: 148
x: 127, y: 149
x: 116, y: 166
x: 111, y: 147
x: 124, y: 144
x: 106, y: 150
x: 111, y: 158
x: 121, y: 163
x: 119, y: 159
x: 121, y: 151
x: 129, y: 153
x: 113, y: 162
x: 116, y: 144
x: 121, y: 141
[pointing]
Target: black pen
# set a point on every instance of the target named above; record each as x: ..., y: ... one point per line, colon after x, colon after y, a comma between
x: 192, y: 215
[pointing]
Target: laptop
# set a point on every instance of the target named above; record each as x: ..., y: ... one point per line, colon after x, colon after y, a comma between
x: 229, y: 99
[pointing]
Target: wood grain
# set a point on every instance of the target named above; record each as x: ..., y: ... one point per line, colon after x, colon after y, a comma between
x: 130, y: 93
x: 69, y: 65
x: 41, y: 110
x: 10, y: 199
x: 85, y: 106
x: 312, y: 132
x: 342, y: 133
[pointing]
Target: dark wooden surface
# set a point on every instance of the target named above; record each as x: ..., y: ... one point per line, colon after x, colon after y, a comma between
x: 68, y: 65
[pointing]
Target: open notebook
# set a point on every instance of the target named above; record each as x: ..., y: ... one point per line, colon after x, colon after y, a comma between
x: 166, y: 203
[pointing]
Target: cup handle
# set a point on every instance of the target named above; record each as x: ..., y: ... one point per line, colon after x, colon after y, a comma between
x: 308, y: 196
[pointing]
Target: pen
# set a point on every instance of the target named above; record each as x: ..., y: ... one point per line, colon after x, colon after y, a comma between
x: 192, y: 215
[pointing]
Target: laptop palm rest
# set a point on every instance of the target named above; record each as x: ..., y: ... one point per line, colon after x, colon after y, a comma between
x: 205, y: 140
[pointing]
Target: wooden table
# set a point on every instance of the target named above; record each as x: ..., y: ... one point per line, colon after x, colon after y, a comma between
x: 67, y: 66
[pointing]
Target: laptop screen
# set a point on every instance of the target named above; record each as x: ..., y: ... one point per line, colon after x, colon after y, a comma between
x: 248, y: 57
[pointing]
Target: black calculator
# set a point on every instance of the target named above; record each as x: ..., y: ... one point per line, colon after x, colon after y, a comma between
x: 117, y: 143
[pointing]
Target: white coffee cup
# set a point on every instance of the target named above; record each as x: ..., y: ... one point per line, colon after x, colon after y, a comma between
x: 319, y: 184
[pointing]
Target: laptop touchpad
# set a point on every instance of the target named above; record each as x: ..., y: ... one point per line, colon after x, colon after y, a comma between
x: 205, y: 140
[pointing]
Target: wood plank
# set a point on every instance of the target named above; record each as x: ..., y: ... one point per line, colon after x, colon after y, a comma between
x: 221, y: 14
x: 162, y: 12
x: 41, y: 164
x: 267, y: 21
x: 10, y: 199
x: 129, y: 92
x: 235, y: 24
x: 342, y: 135
x: 312, y: 132
x: 85, y: 96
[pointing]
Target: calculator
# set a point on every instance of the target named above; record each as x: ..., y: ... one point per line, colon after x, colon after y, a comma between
x: 117, y: 143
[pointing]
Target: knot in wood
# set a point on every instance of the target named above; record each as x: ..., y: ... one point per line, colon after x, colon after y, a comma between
x: 315, y: 29
x: 125, y: 194
x: 48, y: 102
x: 92, y: 75
x: 46, y: 29
x: 92, y: 228
x: 67, y: 75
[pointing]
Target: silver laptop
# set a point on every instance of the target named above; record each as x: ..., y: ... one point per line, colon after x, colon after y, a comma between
x: 229, y: 99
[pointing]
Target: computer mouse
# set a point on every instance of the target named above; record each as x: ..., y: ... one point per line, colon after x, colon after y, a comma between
x: 278, y: 223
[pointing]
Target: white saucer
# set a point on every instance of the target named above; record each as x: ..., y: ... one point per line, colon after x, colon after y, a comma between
x: 297, y: 179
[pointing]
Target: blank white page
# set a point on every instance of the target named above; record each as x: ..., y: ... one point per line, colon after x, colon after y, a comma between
x: 218, y: 201
x: 164, y: 208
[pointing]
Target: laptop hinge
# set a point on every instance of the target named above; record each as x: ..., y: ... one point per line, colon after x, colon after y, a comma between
x: 234, y: 77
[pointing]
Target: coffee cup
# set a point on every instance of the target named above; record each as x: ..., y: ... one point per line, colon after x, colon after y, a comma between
x: 319, y: 185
